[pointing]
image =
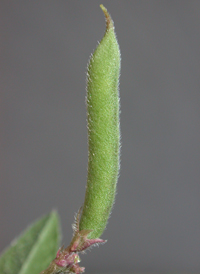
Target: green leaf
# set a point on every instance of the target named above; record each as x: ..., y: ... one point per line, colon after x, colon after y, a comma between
x: 103, y: 131
x: 34, y: 249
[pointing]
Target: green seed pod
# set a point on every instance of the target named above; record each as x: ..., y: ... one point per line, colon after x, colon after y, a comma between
x: 103, y: 131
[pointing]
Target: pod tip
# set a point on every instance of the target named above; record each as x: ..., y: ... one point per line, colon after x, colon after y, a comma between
x: 109, y: 22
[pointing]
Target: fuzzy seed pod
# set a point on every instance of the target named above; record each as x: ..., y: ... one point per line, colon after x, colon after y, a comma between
x: 103, y: 131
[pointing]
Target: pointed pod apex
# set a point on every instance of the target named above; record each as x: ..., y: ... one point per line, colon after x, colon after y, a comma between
x: 109, y: 21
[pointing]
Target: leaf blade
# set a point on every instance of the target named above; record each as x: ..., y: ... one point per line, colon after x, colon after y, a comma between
x: 21, y: 257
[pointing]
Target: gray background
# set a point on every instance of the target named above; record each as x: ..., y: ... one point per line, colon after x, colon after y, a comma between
x: 45, y: 46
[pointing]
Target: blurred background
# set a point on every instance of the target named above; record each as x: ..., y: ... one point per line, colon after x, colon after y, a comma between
x: 45, y: 46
